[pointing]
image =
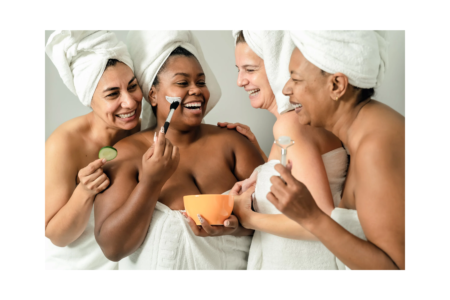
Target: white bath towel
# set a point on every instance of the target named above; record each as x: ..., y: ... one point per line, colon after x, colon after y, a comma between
x: 348, y: 218
x: 81, y: 56
x: 360, y: 55
x: 268, y: 251
x: 275, y: 48
x: 82, y: 254
x: 170, y: 244
x: 150, y: 49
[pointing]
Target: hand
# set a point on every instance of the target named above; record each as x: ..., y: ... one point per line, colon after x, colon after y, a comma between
x: 292, y: 197
x: 245, y: 131
x: 230, y: 226
x: 160, y: 161
x: 243, y: 207
x: 92, y: 179
x: 241, y: 186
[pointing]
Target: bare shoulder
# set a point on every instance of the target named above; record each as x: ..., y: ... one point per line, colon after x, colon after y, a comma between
x: 224, y: 135
x: 67, y: 138
x: 287, y: 125
x: 133, y: 146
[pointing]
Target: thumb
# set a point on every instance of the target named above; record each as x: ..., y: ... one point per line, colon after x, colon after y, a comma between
x: 231, y: 222
x: 149, y: 153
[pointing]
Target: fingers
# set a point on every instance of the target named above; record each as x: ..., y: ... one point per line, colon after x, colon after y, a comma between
x: 245, y: 130
x: 192, y: 224
x: 160, y: 145
x: 278, y: 187
x: 168, y: 150
x: 236, y: 189
x: 90, y: 178
x: 103, y: 186
x: 222, y: 124
x: 274, y: 200
x: 150, y: 151
x: 92, y: 167
x: 206, y: 227
x: 285, y: 173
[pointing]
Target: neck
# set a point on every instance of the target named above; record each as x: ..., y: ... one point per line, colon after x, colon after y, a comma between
x: 181, y: 138
x: 103, y: 133
x: 273, y: 108
x: 344, y: 123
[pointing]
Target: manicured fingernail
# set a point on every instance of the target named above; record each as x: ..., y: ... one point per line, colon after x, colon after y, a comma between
x: 227, y: 223
x: 154, y: 137
x: 200, y: 218
x: 239, y: 128
x: 162, y: 129
x: 103, y: 160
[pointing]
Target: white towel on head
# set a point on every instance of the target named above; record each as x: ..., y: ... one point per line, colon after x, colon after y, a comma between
x: 360, y: 55
x: 275, y: 48
x: 81, y: 57
x: 150, y: 49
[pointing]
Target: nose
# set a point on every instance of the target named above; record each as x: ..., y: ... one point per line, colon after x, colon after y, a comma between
x: 195, y: 90
x: 287, y: 90
x: 242, y: 81
x: 128, y: 101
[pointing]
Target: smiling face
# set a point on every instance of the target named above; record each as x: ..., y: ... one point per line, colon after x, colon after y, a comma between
x: 252, y: 76
x: 181, y: 77
x: 309, y: 91
x: 117, y: 97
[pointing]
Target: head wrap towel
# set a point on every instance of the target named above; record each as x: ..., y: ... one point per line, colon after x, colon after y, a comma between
x: 275, y: 48
x: 150, y: 49
x: 81, y: 57
x: 360, y: 55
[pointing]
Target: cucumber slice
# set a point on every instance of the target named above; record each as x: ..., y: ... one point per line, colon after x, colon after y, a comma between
x: 108, y: 153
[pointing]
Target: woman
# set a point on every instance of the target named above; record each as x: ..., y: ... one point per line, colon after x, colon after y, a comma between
x: 367, y: 230
x: 317, y: 157
x: 97, y: 68
x: 138, y: 219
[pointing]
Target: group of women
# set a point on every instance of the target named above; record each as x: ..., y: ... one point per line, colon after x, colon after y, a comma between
x: 339, y: 203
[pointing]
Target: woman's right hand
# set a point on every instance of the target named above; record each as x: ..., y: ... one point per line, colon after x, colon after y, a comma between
x: 92, y: 179
x: 160, y: 161
x: 245, y: 131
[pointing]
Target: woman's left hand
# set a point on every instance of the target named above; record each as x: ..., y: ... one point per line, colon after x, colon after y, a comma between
x: 243, y: 207
x: 230, y: 226
x: 292, y: 198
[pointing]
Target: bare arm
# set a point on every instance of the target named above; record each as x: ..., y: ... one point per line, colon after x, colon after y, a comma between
x: 123, y: 212
x: 68, y: 206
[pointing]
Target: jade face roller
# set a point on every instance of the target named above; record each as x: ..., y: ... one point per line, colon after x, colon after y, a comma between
x: 284, y: 142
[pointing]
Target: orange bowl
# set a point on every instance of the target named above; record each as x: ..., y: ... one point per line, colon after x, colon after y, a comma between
x: 215, y: 209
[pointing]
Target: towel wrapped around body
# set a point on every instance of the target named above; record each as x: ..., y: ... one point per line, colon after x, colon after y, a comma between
x: 170, y: 244
x: 348, y: 218
x: 268, y: 251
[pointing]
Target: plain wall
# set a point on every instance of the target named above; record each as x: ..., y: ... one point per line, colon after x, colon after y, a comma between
x: 218, y: 47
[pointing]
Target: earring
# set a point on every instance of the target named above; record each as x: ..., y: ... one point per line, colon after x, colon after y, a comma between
x: 336, y: 98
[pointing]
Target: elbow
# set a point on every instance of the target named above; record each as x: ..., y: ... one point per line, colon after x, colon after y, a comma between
x: 112, y: 251
x: 56, y: 238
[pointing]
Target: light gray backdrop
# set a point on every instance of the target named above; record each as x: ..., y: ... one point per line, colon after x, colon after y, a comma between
x: 218, y: 46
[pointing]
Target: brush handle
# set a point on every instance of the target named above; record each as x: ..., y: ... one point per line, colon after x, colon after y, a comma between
x: 166, y: 126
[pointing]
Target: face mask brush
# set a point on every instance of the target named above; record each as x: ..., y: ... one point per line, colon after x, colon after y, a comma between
x: 174, y: 103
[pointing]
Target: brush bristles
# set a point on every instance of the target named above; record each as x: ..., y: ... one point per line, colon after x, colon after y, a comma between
x: 174, y: 105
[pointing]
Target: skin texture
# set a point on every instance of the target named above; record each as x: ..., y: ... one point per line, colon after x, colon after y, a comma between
x: 375, y: 137
x: 211, y: 160
x: 73, y: 173
x: 305, y: 155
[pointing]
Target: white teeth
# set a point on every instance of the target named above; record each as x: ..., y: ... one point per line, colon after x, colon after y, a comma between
x: 255, y: 92
x: 196, y: 105
x: 296, y: 105
x: 127, y: 115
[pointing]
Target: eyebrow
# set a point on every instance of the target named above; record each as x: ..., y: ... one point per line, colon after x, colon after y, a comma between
x: 245, y: 66
x: 116, y: 88
x: 187, y: 75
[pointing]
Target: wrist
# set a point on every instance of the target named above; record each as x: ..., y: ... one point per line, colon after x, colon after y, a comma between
x: 312, y: 223
x: 86, y: 195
